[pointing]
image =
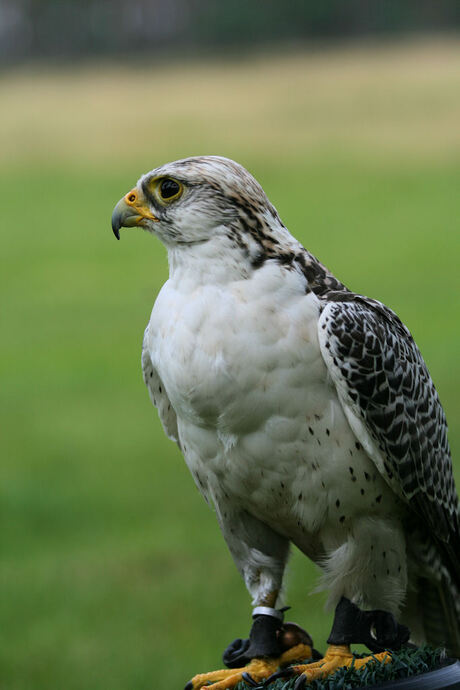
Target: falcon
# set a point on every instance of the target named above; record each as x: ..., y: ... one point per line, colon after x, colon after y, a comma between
x: 307, y: 416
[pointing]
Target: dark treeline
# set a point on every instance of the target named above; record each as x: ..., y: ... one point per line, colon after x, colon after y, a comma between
x: 72, y: 28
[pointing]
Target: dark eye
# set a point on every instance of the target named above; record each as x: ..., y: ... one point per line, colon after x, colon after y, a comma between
x: 169, y: 188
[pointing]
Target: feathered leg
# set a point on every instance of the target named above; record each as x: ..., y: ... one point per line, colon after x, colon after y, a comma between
x: 260, y: 555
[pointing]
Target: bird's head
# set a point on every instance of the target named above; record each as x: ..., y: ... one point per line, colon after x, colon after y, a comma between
x: 199, y: 199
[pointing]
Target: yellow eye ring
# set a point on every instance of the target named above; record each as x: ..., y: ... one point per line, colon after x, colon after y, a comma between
x: 167, y: 189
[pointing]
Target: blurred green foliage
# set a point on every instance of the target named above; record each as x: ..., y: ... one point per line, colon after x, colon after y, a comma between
x: 38, y: 28
x: 113, y: 572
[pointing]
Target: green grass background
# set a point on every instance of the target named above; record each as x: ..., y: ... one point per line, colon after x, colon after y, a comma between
x: 113, y: 573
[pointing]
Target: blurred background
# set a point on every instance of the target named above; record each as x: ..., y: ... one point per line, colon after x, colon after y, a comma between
x: 113, y: 573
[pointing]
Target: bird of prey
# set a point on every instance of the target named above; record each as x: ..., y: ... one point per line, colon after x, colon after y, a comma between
x: 306, y: 415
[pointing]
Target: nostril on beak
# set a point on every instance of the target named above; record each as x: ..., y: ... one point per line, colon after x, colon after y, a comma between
x: 131, y: 197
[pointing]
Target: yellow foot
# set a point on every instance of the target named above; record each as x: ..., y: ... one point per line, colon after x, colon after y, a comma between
x: 337, y: 656
x: 256, y: 671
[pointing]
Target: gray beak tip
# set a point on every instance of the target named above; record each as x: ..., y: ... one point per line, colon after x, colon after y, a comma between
x: 117, y: 222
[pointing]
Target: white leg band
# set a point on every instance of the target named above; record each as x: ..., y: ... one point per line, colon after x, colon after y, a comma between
x: 268, y: 611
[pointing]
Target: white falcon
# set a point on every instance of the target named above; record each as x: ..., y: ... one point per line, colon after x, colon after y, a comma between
x: 305, y: 414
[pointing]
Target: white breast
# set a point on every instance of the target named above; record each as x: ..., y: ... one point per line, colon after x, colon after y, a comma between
x: 257, y: 417
x: 224, y: 353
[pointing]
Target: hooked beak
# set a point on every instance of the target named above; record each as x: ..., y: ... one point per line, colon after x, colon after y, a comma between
x: 130, y: 211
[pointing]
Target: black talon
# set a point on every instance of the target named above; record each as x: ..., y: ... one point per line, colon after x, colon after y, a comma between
x: 283, y: 673
x: 189, y: 686
x: 249, y: 679
x: 300, y: 682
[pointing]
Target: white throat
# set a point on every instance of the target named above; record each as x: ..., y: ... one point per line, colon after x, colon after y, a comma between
x: 216, y: 261
x: 221, y: 259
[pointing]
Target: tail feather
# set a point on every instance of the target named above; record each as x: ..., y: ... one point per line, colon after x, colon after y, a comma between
x: 440, y: 609
x: 433, y: 601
